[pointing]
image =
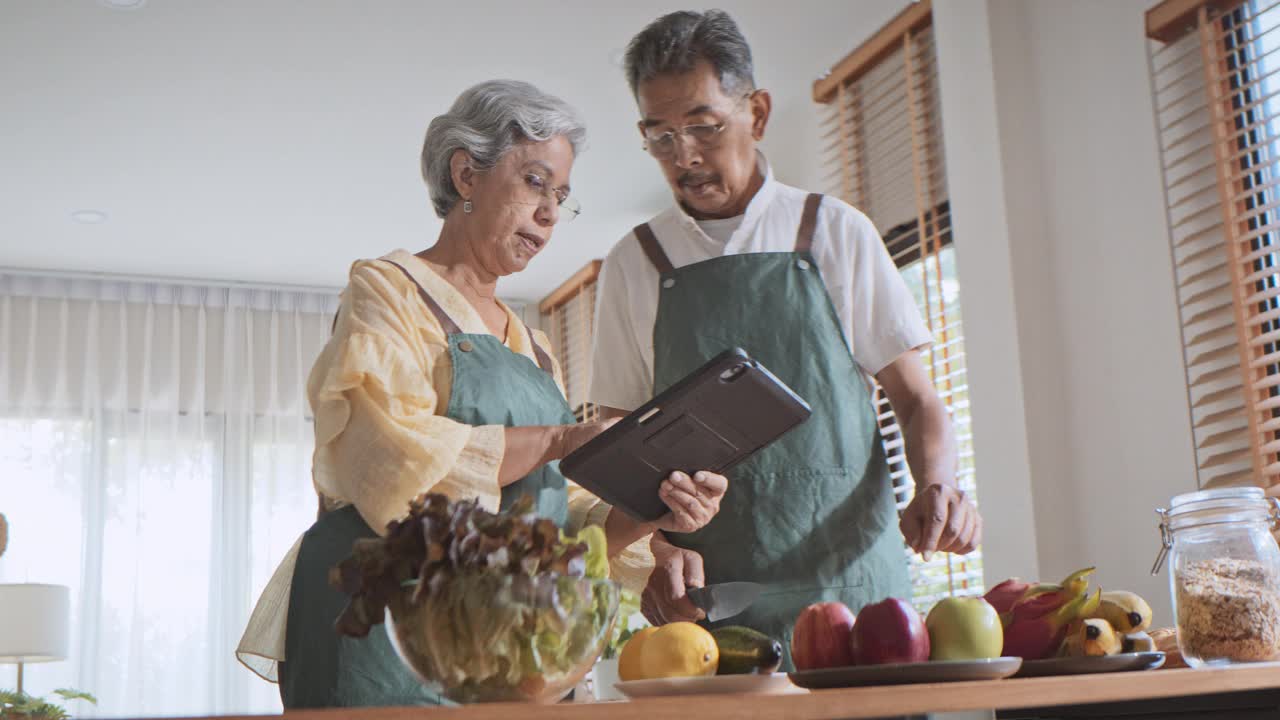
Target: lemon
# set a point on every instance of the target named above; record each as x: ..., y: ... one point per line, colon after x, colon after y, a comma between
x: 629, y: 667
x: 681, y: 649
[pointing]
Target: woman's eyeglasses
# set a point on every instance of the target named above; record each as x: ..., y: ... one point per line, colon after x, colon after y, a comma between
x: 538, y: 191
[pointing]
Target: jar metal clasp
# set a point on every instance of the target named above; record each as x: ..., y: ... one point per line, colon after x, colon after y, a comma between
x: 1166, y: 537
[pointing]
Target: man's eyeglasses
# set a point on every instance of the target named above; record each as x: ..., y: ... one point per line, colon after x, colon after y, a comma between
x: 704, y: 136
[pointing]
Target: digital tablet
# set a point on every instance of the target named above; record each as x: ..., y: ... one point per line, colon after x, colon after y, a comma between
x: 712, y: 419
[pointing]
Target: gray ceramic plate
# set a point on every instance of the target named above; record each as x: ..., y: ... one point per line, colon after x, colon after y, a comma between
x: 1124, y: 662
x: 907, y: 673
x: 773, y: 684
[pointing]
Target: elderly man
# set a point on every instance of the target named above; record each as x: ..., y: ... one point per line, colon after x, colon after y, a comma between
x: 804, y: 284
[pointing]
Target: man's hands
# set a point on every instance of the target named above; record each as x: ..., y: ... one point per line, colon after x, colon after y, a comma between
x: 693, y: 502
x: 664, y: 599
x: 941, y: 519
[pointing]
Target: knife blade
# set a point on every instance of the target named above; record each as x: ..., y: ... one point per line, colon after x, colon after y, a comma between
x: 724, y: 600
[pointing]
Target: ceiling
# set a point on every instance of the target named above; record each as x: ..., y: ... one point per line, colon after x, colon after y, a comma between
x: 276, y: 140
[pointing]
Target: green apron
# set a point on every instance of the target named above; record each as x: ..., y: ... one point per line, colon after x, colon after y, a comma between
x: 491, y: 386
x: 812, y: 516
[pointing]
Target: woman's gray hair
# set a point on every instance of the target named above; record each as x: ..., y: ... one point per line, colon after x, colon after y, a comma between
x: 674, y: 43
x: 486, y: 121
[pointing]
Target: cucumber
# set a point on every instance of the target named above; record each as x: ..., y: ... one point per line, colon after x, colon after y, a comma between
x: 744, y: 651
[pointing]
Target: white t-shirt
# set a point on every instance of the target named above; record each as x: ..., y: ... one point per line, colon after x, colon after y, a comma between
x: 877, y: 313
x: 719, y: 231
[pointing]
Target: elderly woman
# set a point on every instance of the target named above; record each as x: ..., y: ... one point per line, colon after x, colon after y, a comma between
x: 430, y: 383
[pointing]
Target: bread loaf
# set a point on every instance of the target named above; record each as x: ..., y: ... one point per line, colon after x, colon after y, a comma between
x: 1166, y: 640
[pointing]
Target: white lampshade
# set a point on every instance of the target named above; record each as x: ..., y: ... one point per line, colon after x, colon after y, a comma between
x: 33, y: 623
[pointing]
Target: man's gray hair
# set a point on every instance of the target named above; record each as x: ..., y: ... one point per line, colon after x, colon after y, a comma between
x: 674, y: 43
x: 486, y: 121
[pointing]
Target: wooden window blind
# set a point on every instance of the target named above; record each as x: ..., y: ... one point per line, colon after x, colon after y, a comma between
x: 1215, y: 76
x: 568, y: 318
x: 882, y: 139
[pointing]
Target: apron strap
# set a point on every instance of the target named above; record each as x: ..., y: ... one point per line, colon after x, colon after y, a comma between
x: 446, y: 322
x: 544, y: 360
x: 451, y: 327
x: 326, y: 505
x: 808, y: 221
x: 652, y: 249
x: 804, y: 236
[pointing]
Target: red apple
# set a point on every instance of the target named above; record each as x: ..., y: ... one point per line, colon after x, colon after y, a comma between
x: 821, y: 636
x: 890, y: 631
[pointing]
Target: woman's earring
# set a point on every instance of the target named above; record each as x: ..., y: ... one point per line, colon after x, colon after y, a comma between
x: 466, y: 207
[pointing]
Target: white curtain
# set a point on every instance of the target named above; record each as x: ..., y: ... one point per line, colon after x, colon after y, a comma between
x: 155, y: 455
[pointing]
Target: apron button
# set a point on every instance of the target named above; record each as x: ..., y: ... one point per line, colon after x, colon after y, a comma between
x: 669, y: 283
x: 802, y: 264
x: 466, y: 346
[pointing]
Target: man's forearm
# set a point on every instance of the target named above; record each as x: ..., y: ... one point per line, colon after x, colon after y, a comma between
x: 930, y: 443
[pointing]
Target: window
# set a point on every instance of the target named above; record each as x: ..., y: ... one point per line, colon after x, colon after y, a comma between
x: 155, y: 457
x: 883, y: 135
x: 568, y: 317
x: 1214, y: 80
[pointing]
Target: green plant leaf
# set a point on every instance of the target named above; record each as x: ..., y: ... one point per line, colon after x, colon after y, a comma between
x: 49, y: 711
x: 69, y: 694
x: 29, y: 707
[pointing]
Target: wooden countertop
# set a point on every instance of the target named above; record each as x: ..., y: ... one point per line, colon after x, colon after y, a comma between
x: 869, y: 702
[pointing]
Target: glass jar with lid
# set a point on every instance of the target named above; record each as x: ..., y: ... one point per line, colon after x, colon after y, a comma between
x: 1224, y: 574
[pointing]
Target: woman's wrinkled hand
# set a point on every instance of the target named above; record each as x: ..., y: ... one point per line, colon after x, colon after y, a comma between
x: 571, y: 437
x: 693, y: 501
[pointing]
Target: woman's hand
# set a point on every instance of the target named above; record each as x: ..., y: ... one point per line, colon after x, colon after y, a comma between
x: 693, y: 501
x: 529, y: 447
x: 572, y: 437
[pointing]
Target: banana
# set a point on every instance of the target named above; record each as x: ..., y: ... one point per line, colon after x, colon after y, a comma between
x: 1091, y: 637
x: 1137, y: 642
x: 1126, y: 611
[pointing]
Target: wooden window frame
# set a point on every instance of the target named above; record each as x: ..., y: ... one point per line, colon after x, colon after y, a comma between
x: 865, y: 127
x: 579, y: 286
x: 1249, y: 207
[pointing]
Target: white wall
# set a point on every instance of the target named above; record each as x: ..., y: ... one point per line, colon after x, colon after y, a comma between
x: 997, y: 389
x: 1127, y: 435
x: 1097, y: 352
x: 276, y: 142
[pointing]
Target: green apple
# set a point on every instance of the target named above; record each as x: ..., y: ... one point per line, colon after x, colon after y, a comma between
x: 964, y: 628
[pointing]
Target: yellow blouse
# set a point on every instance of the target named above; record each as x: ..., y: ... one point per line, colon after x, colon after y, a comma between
x: 378, y: 391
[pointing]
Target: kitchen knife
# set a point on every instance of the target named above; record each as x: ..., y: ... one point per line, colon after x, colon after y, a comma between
x: 724, y: 600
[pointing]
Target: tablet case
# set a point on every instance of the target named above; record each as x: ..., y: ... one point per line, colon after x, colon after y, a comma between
x: 713, y: 419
